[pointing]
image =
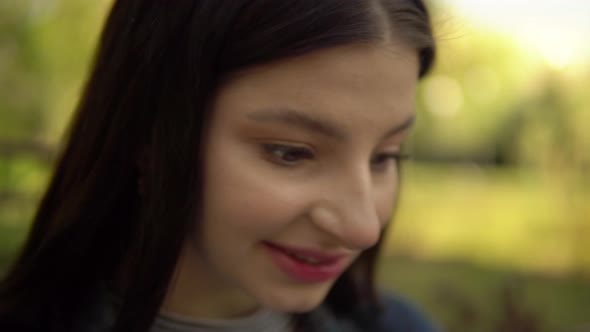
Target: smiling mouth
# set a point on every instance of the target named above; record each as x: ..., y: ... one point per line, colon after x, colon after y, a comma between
x: 307, y: 265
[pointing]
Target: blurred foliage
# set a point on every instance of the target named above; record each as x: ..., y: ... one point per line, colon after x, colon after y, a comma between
x: 45, y: 47
x: 500, y: 180
x: 470, y: 297
x: 506, y: 137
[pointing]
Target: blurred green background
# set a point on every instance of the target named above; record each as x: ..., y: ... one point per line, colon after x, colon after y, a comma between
x: 493, y: 228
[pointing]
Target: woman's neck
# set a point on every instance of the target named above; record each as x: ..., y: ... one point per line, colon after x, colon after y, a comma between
x: 199, y: 295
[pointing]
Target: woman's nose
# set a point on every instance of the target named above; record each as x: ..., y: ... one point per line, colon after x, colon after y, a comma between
x: 347, y: 210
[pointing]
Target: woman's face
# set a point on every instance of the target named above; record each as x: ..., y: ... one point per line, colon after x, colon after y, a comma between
x: 300, y: 178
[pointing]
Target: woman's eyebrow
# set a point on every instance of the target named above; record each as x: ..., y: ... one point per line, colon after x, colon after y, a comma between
x: 407, y: 124
x: 299, y: 119
x: 307, y: 122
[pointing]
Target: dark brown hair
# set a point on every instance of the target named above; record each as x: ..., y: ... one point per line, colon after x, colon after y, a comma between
x: 157, y: 67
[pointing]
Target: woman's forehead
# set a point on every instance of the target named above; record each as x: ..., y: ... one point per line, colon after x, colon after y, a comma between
x: 342, y: 84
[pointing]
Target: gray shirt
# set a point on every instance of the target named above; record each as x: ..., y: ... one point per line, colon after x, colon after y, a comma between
x: 262, y: 321
x: 398, y: 316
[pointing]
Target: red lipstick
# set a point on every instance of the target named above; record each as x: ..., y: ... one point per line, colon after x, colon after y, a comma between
x: 305, y: 264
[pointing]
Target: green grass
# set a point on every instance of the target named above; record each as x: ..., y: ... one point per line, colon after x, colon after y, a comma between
x: 464, y: 237
x: 520, y: 218
x: 467, y: 297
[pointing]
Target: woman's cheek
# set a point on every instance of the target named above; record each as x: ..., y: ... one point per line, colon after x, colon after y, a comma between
x: 276, y: 202
x: 260, y: 197
x: 386, y: 198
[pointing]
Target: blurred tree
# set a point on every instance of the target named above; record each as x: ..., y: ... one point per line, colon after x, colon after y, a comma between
x: 45, y: 49
x: 468, y: 100
x: 486, y: 94
x: 20, y: 74
x: 42, y: 64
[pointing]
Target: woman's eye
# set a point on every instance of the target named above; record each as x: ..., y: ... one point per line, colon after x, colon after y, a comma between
x: 382, y: 160
x: 286, y: 154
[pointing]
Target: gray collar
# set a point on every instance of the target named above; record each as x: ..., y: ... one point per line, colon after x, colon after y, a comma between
x: 262, y: 321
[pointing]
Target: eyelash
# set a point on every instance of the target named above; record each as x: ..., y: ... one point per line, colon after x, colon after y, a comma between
x: 397, y: 156
x: 277, y: 153
x: 380, y: 161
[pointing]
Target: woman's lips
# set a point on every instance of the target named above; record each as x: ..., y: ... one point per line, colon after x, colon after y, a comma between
x: 306, y: 264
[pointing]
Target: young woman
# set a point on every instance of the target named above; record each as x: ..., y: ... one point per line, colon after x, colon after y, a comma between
x: 231, y: 167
